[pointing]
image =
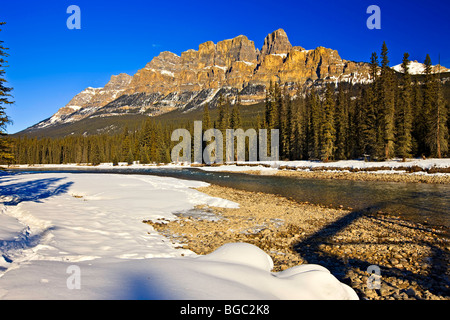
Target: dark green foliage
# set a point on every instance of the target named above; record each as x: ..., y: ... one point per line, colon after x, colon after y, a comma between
x: 5, y: 145
x: 404, y: 117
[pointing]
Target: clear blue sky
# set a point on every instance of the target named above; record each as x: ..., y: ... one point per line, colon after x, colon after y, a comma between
x: 49, y: 63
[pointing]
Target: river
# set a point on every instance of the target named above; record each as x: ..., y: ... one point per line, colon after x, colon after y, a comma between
x: 418, y: 202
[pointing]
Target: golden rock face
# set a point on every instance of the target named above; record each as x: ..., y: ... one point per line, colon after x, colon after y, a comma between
x: 236, y: 62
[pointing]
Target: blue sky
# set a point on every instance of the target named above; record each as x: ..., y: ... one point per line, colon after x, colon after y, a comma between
x: 49, y: 63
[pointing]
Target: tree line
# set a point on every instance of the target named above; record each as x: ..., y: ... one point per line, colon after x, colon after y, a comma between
x: 392, y: 116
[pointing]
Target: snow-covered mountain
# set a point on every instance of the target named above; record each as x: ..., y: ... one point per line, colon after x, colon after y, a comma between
x: 415, y: 67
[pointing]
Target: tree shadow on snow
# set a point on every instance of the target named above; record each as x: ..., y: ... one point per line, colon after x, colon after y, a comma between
x: 35, y: 190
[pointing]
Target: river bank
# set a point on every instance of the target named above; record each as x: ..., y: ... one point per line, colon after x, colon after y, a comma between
x: 412, y: 259
x: 359, y: 176
x: 435, y: 171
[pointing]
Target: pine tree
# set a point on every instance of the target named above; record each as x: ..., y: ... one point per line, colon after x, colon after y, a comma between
x: 224, y: 114
x: 428, y: 67
x: 291, y: 129
x: 276, y: 111
x: 6, y: 155
x: 295, y: 115
x: 144, y: 155
x: 373, y: 144
x: 144, y: 134
x: 235, y: 121
x: 273, y: 104
x: 341, y: 121
x: 437, y: 137
x: 374, y: 66
x: 126, y: 144
x: 206, y: 120
x: 284, y: 122
x: 387, y: 105
x: 419, y: 125
x: 314, y: 125
x: 130, y: 157
x: 268, y: 105
x: 404, y: 113
x: 96, y: 158
x: 429, y: 99
x: 328, y: 130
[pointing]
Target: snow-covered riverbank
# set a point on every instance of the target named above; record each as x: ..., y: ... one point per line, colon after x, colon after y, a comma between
x: 81, y: 236
x: 428, y: 167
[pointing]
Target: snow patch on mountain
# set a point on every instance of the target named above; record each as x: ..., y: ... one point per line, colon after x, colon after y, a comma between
x: 415, y: 67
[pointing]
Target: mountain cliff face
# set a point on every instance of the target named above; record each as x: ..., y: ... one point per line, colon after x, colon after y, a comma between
x: 229, y: 67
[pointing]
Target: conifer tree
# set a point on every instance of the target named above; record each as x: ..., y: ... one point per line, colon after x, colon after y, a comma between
x: 96, y: 158
x: 144, y: 133
x: 328, y: 130
x: 387, y: 105
x: 268, y: 104
x: 224, y: 113
x: 6, y: 155
x: 284, y: 122
x: 125, y: 143
x: 291, y: 130
x: 235, y: 120
x: 372, y: 133
x: 374, y: 67
x: 130, y: 157
x: 273, y: 103
x: 206, y: 120
x: 419, y: 125
x: 437, y: 137
x: 314, y: 124
x: 429, y: 99
x: 341, y: 122
x: 276, y: 111
x: 404, y: 113
x: 295, y: 115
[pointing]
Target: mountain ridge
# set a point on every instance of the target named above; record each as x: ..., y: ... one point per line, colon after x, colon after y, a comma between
x: 229, y: 68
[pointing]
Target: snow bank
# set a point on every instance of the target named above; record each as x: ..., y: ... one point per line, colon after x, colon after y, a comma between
x: 57, y: 230
x: 376, y: 167
x: 268, y: 166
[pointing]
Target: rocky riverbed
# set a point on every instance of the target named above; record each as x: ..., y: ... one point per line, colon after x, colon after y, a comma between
x: 394, y: 176
x: 412, y: 259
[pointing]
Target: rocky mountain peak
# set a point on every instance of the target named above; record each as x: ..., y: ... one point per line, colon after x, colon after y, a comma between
x: 276, y: 42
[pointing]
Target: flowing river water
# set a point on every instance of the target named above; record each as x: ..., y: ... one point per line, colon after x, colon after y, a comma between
x: 418, y: 202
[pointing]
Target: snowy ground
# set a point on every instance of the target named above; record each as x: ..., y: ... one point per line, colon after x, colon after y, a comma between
x: 81, y: 236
